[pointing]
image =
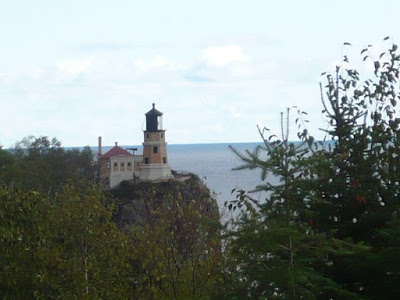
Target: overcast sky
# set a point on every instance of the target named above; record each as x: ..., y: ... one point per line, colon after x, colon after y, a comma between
x: 79, y: 69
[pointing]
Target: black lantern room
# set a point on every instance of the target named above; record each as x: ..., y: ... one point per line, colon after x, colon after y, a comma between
x: 154, y: 120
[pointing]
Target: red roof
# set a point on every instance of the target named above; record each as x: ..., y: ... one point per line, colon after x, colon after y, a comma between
x: 115, y: 151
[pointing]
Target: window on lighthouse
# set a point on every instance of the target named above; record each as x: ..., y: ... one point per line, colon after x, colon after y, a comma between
x: 155, y: 149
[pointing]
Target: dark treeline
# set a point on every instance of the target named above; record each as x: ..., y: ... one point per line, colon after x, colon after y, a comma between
x: 43, y: 165
x: 329, y: 229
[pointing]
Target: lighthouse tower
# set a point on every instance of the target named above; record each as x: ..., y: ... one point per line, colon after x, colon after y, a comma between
x: 155, y: 161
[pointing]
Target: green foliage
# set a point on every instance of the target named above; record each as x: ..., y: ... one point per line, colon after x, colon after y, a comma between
x: 7, y: 162
x: 274, y: 243
x: 178, y: 251
x: 62, y: 246
x: 59, y: 236
x: 329, y: 229
x: 360, y: 182
x: 41, y: 164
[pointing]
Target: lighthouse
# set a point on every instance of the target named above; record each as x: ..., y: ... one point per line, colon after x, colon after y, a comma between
x: 155, y: 164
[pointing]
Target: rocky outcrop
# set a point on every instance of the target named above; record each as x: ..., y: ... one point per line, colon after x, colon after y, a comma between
x: 136, y: 201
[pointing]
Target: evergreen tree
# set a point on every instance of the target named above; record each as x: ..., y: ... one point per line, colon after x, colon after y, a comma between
x: 340, y: 201
x: 358, y: 179
x: 277, y: 251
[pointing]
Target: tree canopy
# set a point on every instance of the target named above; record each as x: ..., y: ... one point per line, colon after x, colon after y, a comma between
x: 329, y: 229
x: 42, y: 164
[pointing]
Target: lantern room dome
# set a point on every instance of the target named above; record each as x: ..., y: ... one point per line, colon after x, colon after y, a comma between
x: 154, y: 112
x: 154, y: 121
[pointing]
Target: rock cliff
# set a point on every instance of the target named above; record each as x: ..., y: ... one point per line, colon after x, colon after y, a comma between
x: 136, y: 201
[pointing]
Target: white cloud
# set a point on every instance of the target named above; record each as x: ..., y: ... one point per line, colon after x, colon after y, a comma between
x: 235, y: 111
x: 74, y: 67
x: 156, y: 62
x: 224, y: 55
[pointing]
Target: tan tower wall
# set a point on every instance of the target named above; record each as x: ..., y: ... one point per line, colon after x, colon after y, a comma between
x: 155, y: 159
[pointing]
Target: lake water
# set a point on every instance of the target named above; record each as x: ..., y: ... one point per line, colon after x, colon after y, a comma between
x: 213, y: 163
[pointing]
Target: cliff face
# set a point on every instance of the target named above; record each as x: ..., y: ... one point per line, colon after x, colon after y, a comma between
x: 137, y: 201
